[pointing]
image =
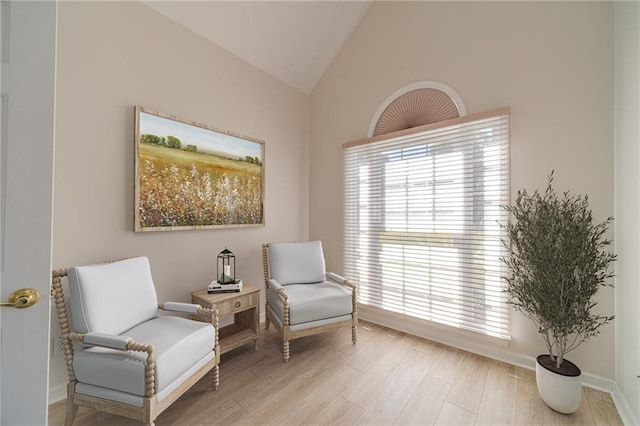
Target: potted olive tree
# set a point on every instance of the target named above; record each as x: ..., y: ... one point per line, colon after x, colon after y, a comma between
x: 557, y: 261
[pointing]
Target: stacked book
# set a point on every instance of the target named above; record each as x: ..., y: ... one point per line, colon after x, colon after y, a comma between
x: 228, y: 287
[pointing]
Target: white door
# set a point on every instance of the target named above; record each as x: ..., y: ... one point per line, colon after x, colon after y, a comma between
x: 26, y: 198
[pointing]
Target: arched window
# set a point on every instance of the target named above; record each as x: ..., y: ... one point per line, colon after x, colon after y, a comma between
x: 415, y: 105
x: 422, y: 211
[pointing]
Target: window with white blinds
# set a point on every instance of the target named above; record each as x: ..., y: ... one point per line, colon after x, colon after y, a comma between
x: 422, y: 208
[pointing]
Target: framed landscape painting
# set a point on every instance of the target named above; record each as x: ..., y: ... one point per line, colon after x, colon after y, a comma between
x: 193, y: 176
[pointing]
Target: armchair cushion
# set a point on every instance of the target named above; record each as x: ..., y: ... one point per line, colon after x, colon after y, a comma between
x: 178, y: 343
x: 99, y: 291
x: 312, y: 302
x: 297, y: 263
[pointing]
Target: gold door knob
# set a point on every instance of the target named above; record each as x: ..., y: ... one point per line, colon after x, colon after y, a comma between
x: 23, y: 298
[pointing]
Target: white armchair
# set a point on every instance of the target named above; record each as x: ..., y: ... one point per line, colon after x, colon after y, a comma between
x: 129, y: 360
x: 302, y: 299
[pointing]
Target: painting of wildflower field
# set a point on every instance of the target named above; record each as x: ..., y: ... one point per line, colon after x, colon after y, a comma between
x: 193, y: 176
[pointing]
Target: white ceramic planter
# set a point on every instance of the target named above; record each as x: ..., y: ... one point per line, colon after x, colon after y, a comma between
x: 561, y: 393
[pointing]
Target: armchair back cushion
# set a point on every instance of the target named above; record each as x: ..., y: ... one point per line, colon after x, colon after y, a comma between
x: 112, y: 297
x: 297, y: 263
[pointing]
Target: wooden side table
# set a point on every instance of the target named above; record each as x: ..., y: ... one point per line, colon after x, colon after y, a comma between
x: 245, y: 308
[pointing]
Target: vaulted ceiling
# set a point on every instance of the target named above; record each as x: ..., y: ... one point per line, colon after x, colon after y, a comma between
x: 294, y: 41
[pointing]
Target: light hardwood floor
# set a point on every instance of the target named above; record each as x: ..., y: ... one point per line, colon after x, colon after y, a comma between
x: 387, y: 378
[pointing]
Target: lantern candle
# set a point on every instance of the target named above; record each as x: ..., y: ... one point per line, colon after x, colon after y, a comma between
x: 226, y: 269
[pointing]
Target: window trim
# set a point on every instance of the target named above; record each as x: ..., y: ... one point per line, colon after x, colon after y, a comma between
x: 431, y: 126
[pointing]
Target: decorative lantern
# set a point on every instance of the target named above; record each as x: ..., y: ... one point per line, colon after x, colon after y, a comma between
x: 226, y: 271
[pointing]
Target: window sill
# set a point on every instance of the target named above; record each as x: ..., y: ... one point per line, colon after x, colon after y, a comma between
x: 451, y: 336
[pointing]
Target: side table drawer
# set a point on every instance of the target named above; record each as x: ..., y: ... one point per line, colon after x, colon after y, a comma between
x: 237, y: 304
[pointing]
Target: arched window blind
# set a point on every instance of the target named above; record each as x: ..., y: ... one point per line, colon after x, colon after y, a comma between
x: 422, y: 208
x: 416, y: 108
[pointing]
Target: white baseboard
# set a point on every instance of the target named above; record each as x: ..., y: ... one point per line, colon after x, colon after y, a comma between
x: 626, y: 414
x: 462, y: 341
x: 57, y: 393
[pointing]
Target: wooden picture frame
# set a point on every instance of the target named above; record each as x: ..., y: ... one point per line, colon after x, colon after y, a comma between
x: 189, y: 175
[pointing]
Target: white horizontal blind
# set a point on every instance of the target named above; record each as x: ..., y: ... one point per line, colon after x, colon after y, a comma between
x: 421, y: 222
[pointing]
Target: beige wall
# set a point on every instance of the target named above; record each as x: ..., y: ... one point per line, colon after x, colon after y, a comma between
x: 551, y: 62
x: 112, y: 56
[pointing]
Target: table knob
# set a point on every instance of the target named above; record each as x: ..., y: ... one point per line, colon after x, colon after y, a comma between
x: 238, y: 304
